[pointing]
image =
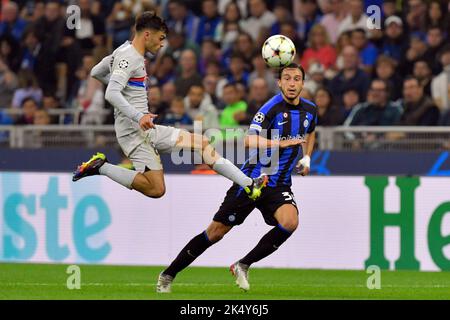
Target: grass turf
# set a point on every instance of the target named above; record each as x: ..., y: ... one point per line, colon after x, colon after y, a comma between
x: 43, y: 281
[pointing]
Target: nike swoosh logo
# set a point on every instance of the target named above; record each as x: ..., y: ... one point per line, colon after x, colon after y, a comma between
x: 189, y: 253
x: 281, y: 123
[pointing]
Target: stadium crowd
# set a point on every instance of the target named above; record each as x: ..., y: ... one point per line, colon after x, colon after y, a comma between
x: 211, y: 67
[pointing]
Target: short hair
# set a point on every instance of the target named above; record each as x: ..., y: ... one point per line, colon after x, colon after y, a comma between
x: 230, y: 85
x: 411, y: 77
x: 29, y: 99
x: 149, y: 20
x: 178, y: 99
x: 292, y: 66
x: 386, y: 85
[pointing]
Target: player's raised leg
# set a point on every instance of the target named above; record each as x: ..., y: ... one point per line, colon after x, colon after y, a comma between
x: 287, y: 218
x: 221, y: 165
x: 214, y: 233
x: 150, y: 183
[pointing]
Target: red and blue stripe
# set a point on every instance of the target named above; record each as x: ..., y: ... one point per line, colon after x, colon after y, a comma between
x: 137, y: 82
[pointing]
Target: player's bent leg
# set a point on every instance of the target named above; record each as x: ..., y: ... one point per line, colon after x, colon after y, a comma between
x: 216, y: 231
x: 195, y: 247
x: 150, y: 183
x: 222, y: 166
x: 287, y: 218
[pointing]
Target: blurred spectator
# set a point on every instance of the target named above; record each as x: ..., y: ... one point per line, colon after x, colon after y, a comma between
x: 177, y: 114
x: 257, y: 97
x: 259, y: 21
x: 156, y: 105
x: 235, y: 108
x: 344, y: 40
x: 208, y: 21
x: 332, y: 20
x: 189, y: 75
x: 11, y: 24
x: 418, y: 109
x: 435, y: 41
x: 243, y: 47
x: 378, y: 110
x: 8, y: 83
x: 385, y: 70
x: 210, y: 84
x: 416, y: 51
x: 328, y: 113
x: 28, y: 87
x: 29, y: 107
x: 260, y: 70
x: 289, y: 29
x: 440, y: 83
x: 351, y: 75
x: 90, y: 95
x: 30, y: 51
x: 209, y: 52
x: 319, y: 49
x: 422, y: 72
x: 168, y: 91
x: 177, y: 42
x: 350, y: 99
x: 228, y: 29
x: 41, y: 117
x: 49, y: 30
x: 416, y: 15
x: 436, y: 15
x: 367, y: 51
x: 389, y: 8
x: 118, y: 25
x: 394, y: 44
x: 164, y: 70
x: 306, y: 14
x: 282, y: 14
x: 199, y: 107
x: 241, y: 4
x: 92, y: 28
x: 182, y: 20
x: 9, y: 49
x: 356, y: 18
x: 5, y: 119
x: 237, y: 70
x: 51, y: 102
x: 33, y: 11
x: 315, y: 78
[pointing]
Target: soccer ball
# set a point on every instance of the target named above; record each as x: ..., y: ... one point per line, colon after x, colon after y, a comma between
x: 278, y: 51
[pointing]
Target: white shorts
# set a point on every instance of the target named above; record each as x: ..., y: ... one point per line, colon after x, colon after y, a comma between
x: 143, y: 148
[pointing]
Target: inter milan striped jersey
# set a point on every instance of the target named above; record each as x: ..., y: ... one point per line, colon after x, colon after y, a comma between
x: 279, y: 120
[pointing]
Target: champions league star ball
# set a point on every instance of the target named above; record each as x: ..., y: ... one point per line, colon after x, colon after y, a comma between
x: 278, y: 51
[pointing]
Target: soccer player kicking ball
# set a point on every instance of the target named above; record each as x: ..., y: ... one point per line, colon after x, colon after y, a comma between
x: 289, y: 122
x: 125, y: 75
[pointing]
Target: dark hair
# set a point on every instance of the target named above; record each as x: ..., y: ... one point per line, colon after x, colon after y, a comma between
x: 410, y: 77
x: 328, y: 92
x: 149, y: 20
x: 29, y: 99
x: 292, y: 66
x: 230, y: 85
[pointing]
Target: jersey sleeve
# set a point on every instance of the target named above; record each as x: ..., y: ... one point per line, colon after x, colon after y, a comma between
x: 261, y: 121
x: 313, y: 124
x: 122, y: 70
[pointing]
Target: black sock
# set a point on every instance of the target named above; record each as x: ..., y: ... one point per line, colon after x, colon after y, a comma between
x: 268, y: 244
x: 189, y: 253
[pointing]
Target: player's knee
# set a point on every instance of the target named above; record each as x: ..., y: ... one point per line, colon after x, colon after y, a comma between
x: 216, y: 232
x: 155, y: 192
x: 290, y: 224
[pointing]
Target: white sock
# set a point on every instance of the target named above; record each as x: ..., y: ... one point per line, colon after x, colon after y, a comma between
x: 120, y: 175
x: 227, y: 169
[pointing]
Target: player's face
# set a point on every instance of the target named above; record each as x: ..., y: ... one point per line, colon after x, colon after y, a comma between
x: 154, y: 40
x: 291, y: 83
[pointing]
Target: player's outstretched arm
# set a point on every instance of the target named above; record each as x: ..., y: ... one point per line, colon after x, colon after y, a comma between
x: 256, y: 141
x: 304, y: 163
x: 101, y: 71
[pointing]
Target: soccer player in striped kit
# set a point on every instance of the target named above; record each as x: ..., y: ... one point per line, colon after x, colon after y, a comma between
x: 284, y: 126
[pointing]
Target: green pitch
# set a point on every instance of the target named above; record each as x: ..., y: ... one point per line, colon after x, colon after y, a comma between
x: 40, y: 281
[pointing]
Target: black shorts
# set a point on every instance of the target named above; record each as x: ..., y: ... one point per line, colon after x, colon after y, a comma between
x: 237, y: 205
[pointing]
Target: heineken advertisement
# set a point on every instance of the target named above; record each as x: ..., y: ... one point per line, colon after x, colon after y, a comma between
x: 345, y: 222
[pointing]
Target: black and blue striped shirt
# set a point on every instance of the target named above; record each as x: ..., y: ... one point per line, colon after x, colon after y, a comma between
x: 279, y: 120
